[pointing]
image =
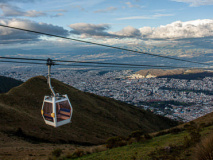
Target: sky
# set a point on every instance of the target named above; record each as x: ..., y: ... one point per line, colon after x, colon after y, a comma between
x: 122, y: 22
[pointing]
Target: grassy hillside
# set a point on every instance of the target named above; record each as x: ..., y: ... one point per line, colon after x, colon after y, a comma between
x: 190, y: 141
x: 7, y: 83
x: 94, y: 119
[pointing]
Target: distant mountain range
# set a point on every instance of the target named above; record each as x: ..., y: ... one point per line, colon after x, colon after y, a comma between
x: 176, y: 73
x: 94, y: 118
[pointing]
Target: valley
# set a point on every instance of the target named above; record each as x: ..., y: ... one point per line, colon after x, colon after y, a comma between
x: 185, y: 94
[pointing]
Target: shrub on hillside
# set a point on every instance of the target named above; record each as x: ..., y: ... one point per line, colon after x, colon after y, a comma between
x: 170, y: 152
x: 57, y: 152
x: 137, y: 135
x: 131, y: 140
x: 194, y: 132
x: 86, y: 151
x: 175, y: 130
x: 19, y: 132
x: 77, y: 153
x: 147, y: 136
x: 115, y: 142
x: 97, y: 149
x: 208, y: 124
x: 186, y: 142
x: 161, y: 133
x: 203, y: 125
x: 204, y: 150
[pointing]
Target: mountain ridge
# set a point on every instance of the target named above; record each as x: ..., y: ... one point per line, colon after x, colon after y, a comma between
x: 94, y: 118
x: 7, y: 83
x: 175, y: 73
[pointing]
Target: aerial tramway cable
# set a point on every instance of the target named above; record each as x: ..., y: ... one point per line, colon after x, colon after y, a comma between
x: 104, y: 45
x: 89, y: 63
x: 83, y: 65
x: 102, y: 66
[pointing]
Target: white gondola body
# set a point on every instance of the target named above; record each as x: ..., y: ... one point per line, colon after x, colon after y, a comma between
x: 56, y: 110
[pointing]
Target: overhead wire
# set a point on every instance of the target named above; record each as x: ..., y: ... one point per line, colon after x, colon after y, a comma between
x: 21, y: 62
x: 104, y: 45
x: 92, y: 62
x: 104, y: 65
x: 83, y: 65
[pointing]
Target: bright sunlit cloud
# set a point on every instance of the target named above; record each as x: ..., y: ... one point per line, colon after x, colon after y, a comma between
x: 196, y: 3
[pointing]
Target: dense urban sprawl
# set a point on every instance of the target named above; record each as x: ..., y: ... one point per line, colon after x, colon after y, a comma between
x: 182, y: 99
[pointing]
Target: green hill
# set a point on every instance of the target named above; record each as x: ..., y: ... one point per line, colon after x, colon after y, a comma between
x: 7, y: 83
x: 94, y: 118
x: 189, y: 141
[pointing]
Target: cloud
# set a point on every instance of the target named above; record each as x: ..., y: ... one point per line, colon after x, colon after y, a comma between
x: 79, y: 7
x: 7, y: 1
x: 128, y: 31
x: 86, y: 30
x: 130, y: 5
x: 180, y: 30
x: 189, y: 30
x: 57, y: 10
x: 34, y: 13
x: 145, y: 17
x: 196, y: 3
x: 109, y: 9
x: 16, y: 36
x: 13, y: 11
x: 135, y: 17
x: 57, y: 15
x: 175, y: 31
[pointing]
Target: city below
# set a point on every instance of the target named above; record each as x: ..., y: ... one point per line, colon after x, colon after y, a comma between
x: 178, y: 99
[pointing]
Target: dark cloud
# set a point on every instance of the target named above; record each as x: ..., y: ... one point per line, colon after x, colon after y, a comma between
x: 100, y: 30
x: 10, y: 10
x: 128, y: 31
x: 17, y: 36
x: 85, y: 29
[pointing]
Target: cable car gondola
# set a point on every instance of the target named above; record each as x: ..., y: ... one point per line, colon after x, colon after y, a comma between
x: 56, y: 109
